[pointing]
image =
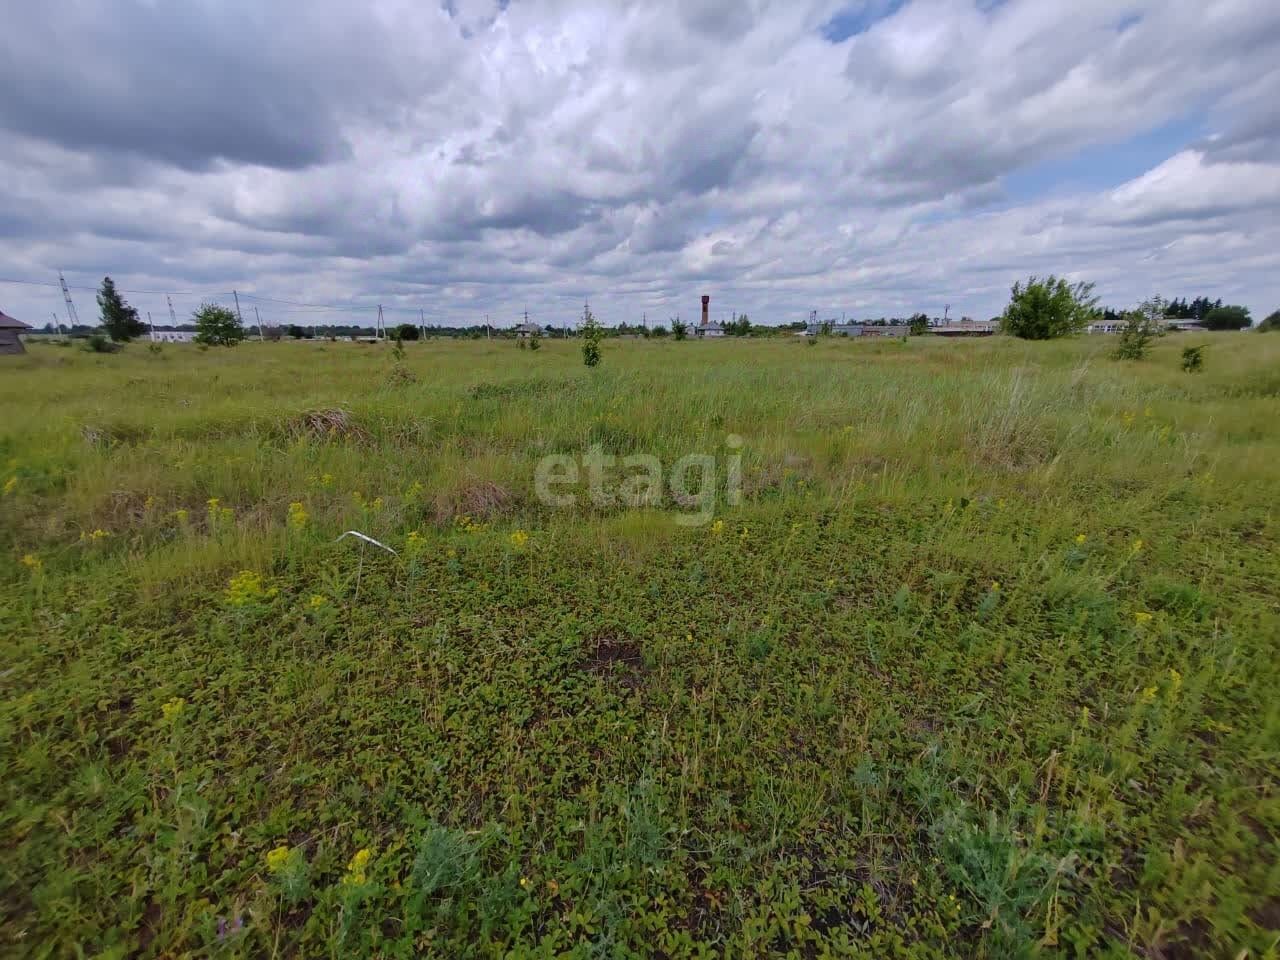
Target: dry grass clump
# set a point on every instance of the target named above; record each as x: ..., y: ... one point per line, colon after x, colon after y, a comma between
x: 331, y: 423
x: 474, y: 498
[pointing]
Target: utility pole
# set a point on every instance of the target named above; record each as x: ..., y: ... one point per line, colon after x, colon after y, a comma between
x: 488, y: 335
x: 173, y: 317
x: 945, y: 313
x: 238, y: 317
x: 73, y: 319
x: 57, y: 324
x: 258, y: 317
x: 151, y: 325
x: 380, y: 332
x: 422, y: 323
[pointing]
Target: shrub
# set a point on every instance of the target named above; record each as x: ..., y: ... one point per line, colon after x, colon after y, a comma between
x: 97, y: 343
x: 535, y: 339
x: 1193, y: 359
x: 217, y: 326
x: 1141, y: 326
x: 1049, y: 308
x: 679, y: 329
x: 592, y: 334
x: 1228, y: 318
x: 407, y: 331
x: 1271, y: 323
x: 918, y: 325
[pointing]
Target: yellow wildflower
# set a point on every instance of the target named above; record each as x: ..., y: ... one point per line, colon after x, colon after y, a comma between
x: 1137, y: 546
x: 298, y: 515
x: 1148, y: 695
x: 10, y: 485
x: 149, y: 504
x: 1141, y: 617
x: 317, y: 601
x: 1080, y: 539
x: 355, y: 874
x: 32, y: 563
x: 744, y: 533
x: 1175, y: 680
x: 1084, y: 714
x: 212, y: 503
x: 277, y: 858
x: 524, y: 882
x: 519, y: 538
x: 1000, y: 504
x: 995, y: 585
x: 181, y: 515
x: 414, y: 491
x: 246, y: 588
x: 377, y: 504
x: 99, y: 534
x: 173, y: 708
x: 717, y: 527
x: 451, y: 553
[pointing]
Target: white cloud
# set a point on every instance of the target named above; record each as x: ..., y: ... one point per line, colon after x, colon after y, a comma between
x: 496, y: 158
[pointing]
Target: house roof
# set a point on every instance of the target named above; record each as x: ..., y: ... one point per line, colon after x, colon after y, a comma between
x: 528, y: 328
x: 9, y: 323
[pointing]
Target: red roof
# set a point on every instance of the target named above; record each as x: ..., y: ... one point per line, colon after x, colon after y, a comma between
x: 8, y: 323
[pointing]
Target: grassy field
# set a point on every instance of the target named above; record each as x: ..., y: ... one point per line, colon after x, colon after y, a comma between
x: 984, y: 663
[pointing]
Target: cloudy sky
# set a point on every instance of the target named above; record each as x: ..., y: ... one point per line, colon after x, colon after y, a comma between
x: 472, y: 157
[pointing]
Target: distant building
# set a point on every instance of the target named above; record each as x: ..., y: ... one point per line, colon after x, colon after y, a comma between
x: 899, y: 331
x: 835, y: 329
x: 709, y: 329
x: 10, y: 334
x: 173, y: 336
x: 526, y: 330
x: 966, y: 328
x: 1184, y: 325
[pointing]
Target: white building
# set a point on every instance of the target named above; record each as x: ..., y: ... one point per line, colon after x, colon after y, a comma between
x: 173, y: 336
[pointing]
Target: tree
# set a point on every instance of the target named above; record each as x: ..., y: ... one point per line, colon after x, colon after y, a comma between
x: 296, y: 332
x: 118, y: 318
x: 535, y: 338
x: 1271, y: 323
x: 407, y: 331
x: 918, y: 325
x: 1141, y: 326
x: 216, y: 326
x: 592, y: 334
x: 1227, y: 318
x: 679, y: 328
x: 1049, y: 308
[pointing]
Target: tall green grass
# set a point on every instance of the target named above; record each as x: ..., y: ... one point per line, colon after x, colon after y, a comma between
x: 983, y: 665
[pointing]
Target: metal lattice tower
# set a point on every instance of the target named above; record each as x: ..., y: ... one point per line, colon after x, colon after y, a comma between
x: 173, y: 317
x: 73, y: 319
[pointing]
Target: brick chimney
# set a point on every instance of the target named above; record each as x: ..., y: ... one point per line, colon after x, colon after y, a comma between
x: 706, y: 308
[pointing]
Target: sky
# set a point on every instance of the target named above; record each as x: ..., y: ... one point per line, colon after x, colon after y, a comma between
x: 478, y: 158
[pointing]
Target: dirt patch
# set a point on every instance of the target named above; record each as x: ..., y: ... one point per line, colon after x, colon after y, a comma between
x: 615, y: 658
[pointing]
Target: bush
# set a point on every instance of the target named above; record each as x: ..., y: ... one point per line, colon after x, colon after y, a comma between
x: 1141, y: 326
x: 592, y: 334
x: 1228, y: 318
x: 217, y: 326
x: 1271, y: 323
x: 1049, y: 308
x: 679, y: 329
x: 407, y: 331
x: 98, y: 343
x: 1193, y: 359
x: 918, y: 325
